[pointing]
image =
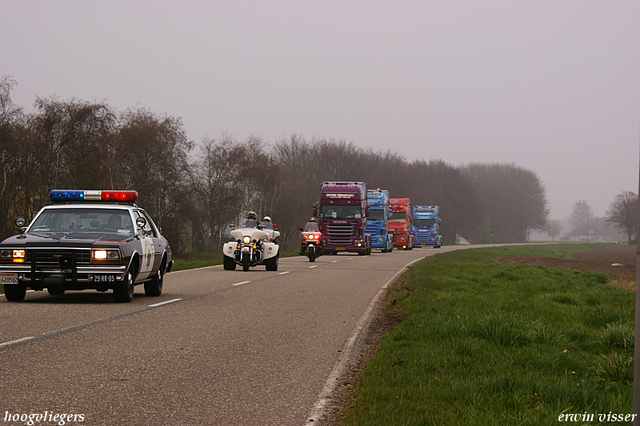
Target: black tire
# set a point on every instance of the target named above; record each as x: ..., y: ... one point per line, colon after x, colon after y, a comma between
x: 153, y: 288
x: 229, y: 264
x: 15, y: 293
x: 245, y: 263
x: 123, y: 292
x: 272, y: 264
x: 56, y: 290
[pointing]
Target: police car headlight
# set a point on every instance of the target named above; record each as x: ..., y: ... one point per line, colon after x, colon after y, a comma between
x: 16, y: 256
x: 246, y: 239
x: 105, y: 256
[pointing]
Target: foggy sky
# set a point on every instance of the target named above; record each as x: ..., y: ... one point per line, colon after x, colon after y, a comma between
x: 552, y: 86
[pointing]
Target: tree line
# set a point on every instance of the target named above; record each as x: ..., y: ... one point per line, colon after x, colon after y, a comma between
x: 195, y: 190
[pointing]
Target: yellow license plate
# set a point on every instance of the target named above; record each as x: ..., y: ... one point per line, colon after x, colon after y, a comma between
x: 341, y: 248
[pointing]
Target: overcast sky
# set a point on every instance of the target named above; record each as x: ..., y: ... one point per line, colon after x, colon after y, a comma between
x: 553, y: 86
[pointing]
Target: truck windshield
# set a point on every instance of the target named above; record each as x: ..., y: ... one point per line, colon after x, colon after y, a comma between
x: 398, y: 217
x: 424, y: 223
x: 340, y: 212
x: 376, y: 214
x: 76, y: 222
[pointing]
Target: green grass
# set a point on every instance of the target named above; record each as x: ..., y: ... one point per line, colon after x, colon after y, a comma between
x: 491, y: 343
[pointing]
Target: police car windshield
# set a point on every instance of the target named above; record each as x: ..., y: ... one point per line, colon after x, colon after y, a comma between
x: 82, y: 222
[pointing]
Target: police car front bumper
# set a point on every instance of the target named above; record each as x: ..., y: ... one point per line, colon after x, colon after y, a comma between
x: 81, y: 274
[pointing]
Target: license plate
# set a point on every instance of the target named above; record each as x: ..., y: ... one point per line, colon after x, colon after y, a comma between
x: 341, y: 248
x: 9, y: 279
x: 104, y: 278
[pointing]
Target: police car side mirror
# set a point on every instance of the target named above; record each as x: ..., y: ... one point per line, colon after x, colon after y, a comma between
x: 141, y: 222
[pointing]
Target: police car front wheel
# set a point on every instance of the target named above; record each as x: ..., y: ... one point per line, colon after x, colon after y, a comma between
x: 123, y: 292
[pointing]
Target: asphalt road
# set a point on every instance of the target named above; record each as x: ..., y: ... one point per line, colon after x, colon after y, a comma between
x: 216, y: 348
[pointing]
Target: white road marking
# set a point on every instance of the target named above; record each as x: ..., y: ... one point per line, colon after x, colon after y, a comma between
x: 24, y: 339
x: 334, y: 261
x: 164, y: 303
x: 285, y: 272
x: 314, y: 266
x: 243, y: 282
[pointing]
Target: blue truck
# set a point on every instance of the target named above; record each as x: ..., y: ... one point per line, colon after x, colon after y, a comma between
x: 378, y: 220
x: 426, y: 226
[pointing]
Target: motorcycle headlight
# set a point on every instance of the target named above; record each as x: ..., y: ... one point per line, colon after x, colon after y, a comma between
x: 246, y: 239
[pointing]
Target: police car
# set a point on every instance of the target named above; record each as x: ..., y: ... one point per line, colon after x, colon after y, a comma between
x: 86, y: 240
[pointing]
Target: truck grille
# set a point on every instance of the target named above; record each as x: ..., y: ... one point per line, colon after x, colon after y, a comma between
x: 340, y: 234
x: 423, y: 237
x: 371, y: 230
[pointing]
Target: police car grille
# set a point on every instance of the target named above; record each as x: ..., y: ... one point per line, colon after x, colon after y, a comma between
x: 54, y: 255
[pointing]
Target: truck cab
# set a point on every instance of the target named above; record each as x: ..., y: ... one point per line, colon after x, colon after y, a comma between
x: 342, y: 217
x: 426, y: 226
x: 378, y: 221
x: 401, y: 223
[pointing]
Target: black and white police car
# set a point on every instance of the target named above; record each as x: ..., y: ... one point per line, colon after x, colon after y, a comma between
x: 86, y: 240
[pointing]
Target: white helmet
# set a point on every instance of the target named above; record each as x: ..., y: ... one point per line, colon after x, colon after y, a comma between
x: 266, y: 219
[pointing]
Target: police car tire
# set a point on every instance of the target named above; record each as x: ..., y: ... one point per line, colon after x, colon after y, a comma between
x: 123, y: 292
x: 15, y: 293
x: 153, y: 288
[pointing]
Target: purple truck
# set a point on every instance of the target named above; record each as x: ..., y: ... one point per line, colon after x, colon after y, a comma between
x: 342, y: 217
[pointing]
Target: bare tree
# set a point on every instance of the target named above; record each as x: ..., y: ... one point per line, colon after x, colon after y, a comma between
x: 581, y: 214
x: 514, y: 201
x: 623, y: 214
x: 553, y: 229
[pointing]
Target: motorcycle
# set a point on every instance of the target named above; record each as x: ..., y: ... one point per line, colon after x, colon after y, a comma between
x: 312, y: 245
x: 251, y: 247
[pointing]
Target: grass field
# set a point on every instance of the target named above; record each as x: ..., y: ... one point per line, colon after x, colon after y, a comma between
x: 485, y: 342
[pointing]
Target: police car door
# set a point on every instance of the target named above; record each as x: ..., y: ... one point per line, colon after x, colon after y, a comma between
x: 145, y: 235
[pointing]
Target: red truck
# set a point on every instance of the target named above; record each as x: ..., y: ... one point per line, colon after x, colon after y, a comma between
x: 400, y: 223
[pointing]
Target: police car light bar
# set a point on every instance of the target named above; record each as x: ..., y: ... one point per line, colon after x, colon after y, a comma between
x: 72, y: 195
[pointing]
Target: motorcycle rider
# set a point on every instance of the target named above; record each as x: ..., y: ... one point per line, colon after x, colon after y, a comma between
x: 310, y: 226
x: 266, y: 223
x: 251, y: 221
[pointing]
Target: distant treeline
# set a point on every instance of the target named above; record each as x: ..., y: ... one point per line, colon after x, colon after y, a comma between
x: 193, y: 191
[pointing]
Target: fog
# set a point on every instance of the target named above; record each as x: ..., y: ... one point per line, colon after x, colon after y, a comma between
x: 550, y: 86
